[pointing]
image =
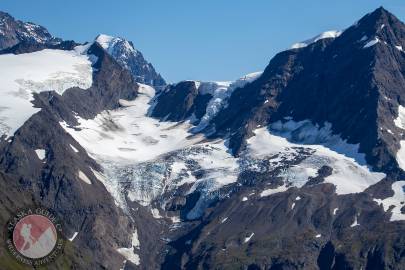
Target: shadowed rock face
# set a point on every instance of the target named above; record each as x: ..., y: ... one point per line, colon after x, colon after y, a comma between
x: 180, y: 101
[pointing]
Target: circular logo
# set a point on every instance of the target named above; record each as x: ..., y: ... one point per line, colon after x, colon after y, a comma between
x: 34, y: 236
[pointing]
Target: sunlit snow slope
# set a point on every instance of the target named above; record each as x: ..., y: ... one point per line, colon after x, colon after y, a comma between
x: 24, y: 74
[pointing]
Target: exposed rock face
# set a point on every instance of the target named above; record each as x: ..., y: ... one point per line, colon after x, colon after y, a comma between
x: 128, y: 57
x: 13, y: 32
x: 180, y: 101
x: 194, y: 205
x: 342, y: 81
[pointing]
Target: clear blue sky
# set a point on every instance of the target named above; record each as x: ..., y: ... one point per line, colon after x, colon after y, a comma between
x: 202, y: 40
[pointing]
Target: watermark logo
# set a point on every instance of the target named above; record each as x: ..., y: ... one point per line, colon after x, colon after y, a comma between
x: 34, y: 236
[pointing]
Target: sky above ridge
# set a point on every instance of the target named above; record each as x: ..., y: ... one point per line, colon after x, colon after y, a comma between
x: 210, y: 40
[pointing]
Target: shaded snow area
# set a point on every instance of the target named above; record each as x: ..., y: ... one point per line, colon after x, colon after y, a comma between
x: 371, y: 42
x: 396, y: 202
x: 327, y: 34
x: 400, y: 122
x: 220, y: 92
x: 143, y: 158
x: 286, y: 140
x: 24, y: 74
x: 129, y: 253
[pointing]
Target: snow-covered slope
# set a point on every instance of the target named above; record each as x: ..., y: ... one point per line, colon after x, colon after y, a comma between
x: 349, y: 171
x: 220, y: 92
x: 24, y: 74
x: 149, y: 155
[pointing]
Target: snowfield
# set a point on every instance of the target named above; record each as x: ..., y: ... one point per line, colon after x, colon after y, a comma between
x: 24, y: 74
x: 350, y: 173
x: 142, y: 157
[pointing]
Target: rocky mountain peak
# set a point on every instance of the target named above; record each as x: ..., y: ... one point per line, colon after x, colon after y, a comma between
x: 13, y: 32
x: 124, y: 52
x: 379, y: 26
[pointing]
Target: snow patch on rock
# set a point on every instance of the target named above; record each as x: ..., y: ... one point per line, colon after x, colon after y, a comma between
x: 247, y: 239
x: 73, y: 237
x: 40, y: 153
x: 397, y: 201
x: 83, y: 177
x: 129, y: 253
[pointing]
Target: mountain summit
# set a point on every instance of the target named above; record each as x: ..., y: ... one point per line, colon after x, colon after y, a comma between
x: 14, y: 31
x: 127, y: 56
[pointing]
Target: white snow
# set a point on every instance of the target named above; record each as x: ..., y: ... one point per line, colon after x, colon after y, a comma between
x: 175, y: 219
x: 84, y: 177
x: 247, y: 239
x: 180, y: 171
x: 108, y: 43
x: 270, y: 191
x: 350, y: 173
x: 74, y: 148
x: 318, y: 235
x: 399, y: 47
x: 355, y: 223
x: 24, y: 74
x: 73, y: 236
x: 371, y: 43
x: 224, y: 219
x: 128, y: 135
x: 220, y: 91
x: 298, y: 198
x: 40, y: 153
x: 327, y: 34
x: 397, y: 201
x: 132, y: 148
x: 129, y: 253
x: 292, y: 206
x: 244, y: 199
x: 400, y: 122
x: 335, y: 211
x: 155, y: 213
